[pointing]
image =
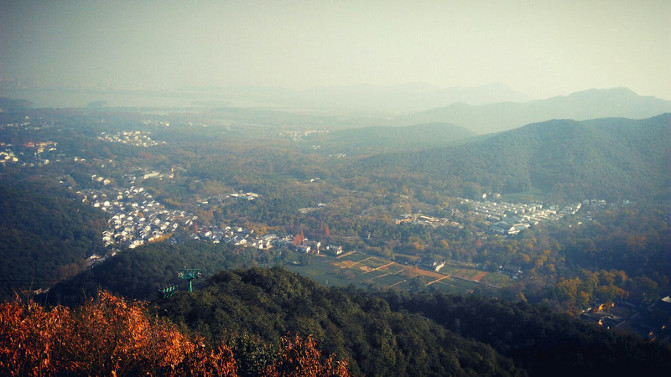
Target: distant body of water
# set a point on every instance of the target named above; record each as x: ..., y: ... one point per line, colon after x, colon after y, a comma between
x: 65, y: 98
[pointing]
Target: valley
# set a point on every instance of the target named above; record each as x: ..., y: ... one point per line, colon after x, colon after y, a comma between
x: 544, y: 214
x: 159, y: 178
x: 351, y: 188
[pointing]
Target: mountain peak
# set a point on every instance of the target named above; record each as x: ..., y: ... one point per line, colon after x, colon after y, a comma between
x: 617, y: 91
x: 583, y: 105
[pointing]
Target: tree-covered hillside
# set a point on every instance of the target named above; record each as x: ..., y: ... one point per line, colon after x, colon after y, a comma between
x: 140, y: 273
x: 45, y: 234
x: 588, y: 104
x: 540, y: 341
x: 10, y: 104
x: 606, y: 158
x: 268, y: 303
x: 110, y: 336
x: 399, y: 334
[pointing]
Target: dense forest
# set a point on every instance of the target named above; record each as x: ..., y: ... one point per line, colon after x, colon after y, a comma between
x: 395, y: 333
x: 46, y: 235
x: 109, y: 336
x: 274, y: 322
x: 139, y: 274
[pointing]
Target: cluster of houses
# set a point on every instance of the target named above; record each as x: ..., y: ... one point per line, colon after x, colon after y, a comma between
x: 431, y: 264
x: 245, y: 195
x: 213, y: 201
x: 140, y: 174
x: 298, y: 135
x: 651, y: 320
x: 237, y: 236
x: 338, y: 155
x: 240, y: 236
x: 163, y: 123
x: 600, y: 203
x: 41, y: 146
x: 512, y: 218
x: 312, y: 209
x: 506, y: 218
x: 311, y: 247
x: 136, y: 217
x: 23, y: 124
x: 135, y: 138
x: 99, y: 179
x: 8, y: 156
x: 157, y: 175
x: 420, y: 219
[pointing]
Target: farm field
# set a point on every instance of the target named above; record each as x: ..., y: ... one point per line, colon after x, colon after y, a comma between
x: 363, y: 270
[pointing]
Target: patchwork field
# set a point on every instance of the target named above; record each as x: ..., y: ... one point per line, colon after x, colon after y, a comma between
x: 364, y: 270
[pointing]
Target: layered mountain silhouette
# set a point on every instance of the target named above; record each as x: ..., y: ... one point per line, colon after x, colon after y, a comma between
x: 614, y: 158
x: 588, y: 104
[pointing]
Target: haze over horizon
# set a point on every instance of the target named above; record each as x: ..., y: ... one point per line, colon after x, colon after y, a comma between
x: 541, y: 49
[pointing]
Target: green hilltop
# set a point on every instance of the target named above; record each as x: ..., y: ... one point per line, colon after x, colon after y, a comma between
x: 612, y: 158
x: 394, y: 333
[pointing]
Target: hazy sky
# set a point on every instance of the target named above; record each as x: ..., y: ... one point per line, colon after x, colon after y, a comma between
x: 541, y: 48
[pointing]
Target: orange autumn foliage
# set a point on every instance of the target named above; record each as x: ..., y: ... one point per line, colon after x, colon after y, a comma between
x: 301, y: 358
x: 28, y: 337
x: 299, y: 238
x: 105, y: 336
x: 108, y: 336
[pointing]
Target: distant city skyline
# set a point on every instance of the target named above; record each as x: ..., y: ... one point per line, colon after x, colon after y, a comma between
x: 539, y: 48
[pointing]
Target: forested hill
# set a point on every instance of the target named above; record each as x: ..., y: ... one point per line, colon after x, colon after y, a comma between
x: 589, y: 104
x: 613, y: 158
x: 10, y: 104
x: 45, y: 236
x: 397, y: 334
x: 389, y: 138
x: 140, y: 273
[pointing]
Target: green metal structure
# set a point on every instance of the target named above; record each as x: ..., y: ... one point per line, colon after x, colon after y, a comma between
x: 168, y: 292
x: 190, y: 274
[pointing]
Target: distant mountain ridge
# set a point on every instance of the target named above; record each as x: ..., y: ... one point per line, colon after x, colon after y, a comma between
x: 376, y: 139
x: 588, y: 104
x: 9, y: 104
x: 406, y: 98
x: 369, y: 99
x: 614, y: 158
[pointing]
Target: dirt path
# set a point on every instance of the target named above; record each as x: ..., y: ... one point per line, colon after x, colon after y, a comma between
x: 437, y: 280
x: 381, y: 267
x: 480, y: 275
x: 346, y: 254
